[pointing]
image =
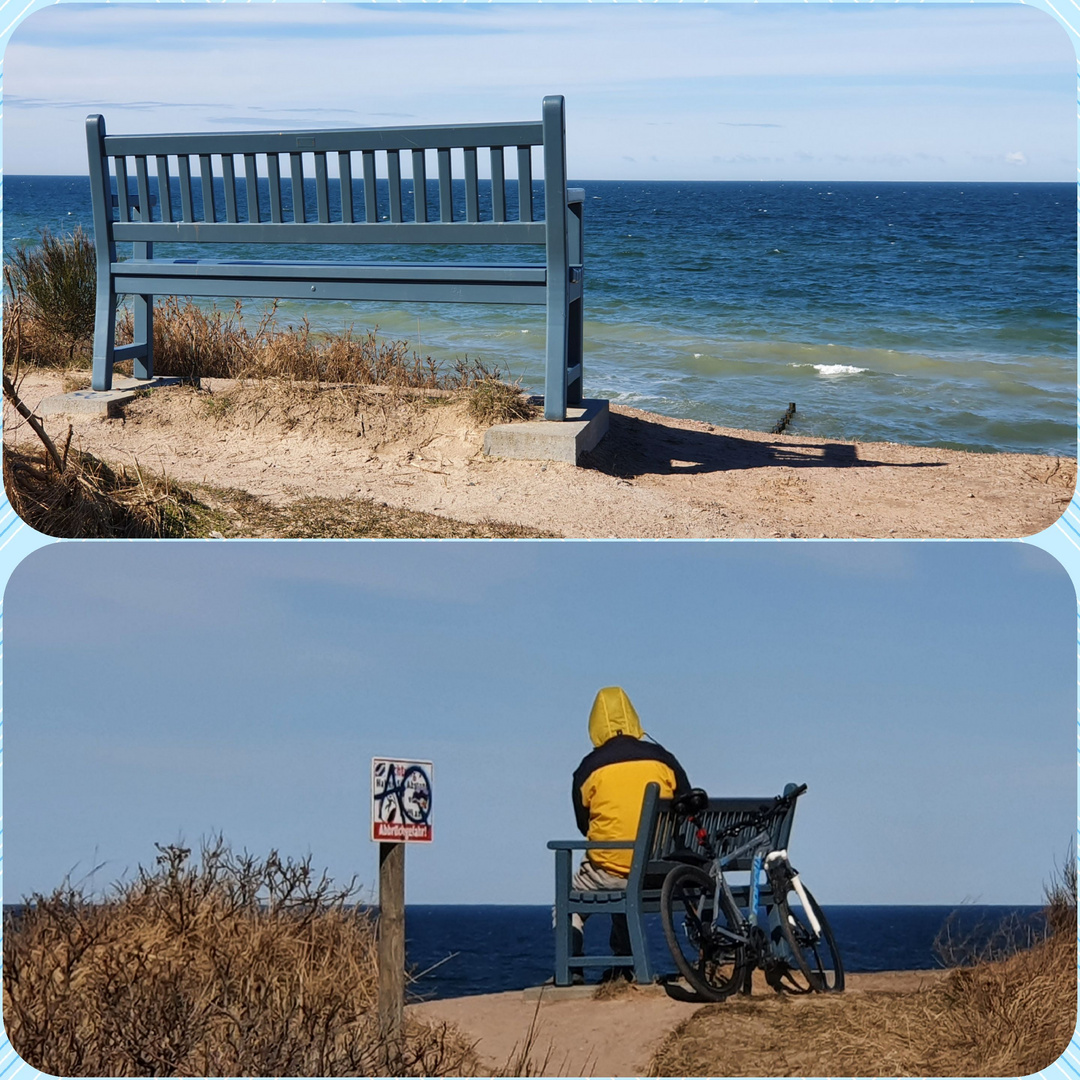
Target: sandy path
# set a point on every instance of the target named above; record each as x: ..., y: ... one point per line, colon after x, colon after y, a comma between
x: 615, y: 1037
x: 650, y: 477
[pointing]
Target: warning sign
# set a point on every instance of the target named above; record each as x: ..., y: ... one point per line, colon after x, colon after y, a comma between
x: 400, y: 800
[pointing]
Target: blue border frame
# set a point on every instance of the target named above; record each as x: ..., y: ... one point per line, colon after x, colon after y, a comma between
x: 1062, y: 539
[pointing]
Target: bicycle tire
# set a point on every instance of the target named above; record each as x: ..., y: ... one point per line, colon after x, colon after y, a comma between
x: 816, y: 956
x: 421, y: 817
x: 712, y: 964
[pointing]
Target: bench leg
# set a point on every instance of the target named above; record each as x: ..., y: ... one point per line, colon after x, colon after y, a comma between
x: 556, y: 345
x: 143, y: 309
x: 104, y: 336
x: 563, y: 924
x: 575, y: 350
x: 638, y: 942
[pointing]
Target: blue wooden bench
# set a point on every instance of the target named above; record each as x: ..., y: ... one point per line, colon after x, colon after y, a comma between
x: 143, y: 193
x: 660, y: 836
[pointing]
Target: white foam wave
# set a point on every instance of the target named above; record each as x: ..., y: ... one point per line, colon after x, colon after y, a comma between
x: 830, y: 370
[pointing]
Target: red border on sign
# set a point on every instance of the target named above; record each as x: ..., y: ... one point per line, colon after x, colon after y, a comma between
x: 400, y: 831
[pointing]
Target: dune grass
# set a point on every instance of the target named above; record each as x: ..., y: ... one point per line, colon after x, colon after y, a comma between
x: 227, y: 965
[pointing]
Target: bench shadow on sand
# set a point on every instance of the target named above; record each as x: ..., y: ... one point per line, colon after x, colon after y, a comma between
x: 634, y: 447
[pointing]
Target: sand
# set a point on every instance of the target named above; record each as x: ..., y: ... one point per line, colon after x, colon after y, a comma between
x: 580, y: 1036
x: 651, y: 476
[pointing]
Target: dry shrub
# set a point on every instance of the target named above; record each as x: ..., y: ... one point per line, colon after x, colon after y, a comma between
x: 194, y: 342
x: 1006, y: 1017
x: 57, y: 282
x: 492, y: 401
x: 234, y: 966
x: 89, y: 499
x: 44, y: 348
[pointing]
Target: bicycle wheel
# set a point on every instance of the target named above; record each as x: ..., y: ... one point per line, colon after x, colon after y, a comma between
x: 707, y: 957
x: 416, y: 795
x: 814, y: 963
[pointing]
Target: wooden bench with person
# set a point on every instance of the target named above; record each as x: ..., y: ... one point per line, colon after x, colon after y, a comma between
x: 664, y: 841
x: 144, y: 193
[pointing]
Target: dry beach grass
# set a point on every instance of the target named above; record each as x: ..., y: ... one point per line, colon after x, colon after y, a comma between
x: 231, y: 966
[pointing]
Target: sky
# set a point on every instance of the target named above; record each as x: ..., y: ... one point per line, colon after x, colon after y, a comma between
x: 926, y: 693
x: 689, y: 92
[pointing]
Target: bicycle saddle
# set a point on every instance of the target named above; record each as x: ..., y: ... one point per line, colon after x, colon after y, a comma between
x: 692, y: 802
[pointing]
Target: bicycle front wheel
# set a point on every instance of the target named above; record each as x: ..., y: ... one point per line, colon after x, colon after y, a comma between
x: 702, y: 939
x: 416, y: 795
x: 816, y: 959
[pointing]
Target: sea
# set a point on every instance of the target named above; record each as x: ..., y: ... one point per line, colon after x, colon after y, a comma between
x: 935, y: 314
x: 457, y: 950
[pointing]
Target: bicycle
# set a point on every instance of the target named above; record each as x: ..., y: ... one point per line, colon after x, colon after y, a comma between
x: 411, y: 793
x: 716, y: 944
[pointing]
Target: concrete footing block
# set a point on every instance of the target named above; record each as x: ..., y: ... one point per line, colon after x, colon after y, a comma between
x: 101, y: 402
x: 85, y: 403
x: 551, y: 440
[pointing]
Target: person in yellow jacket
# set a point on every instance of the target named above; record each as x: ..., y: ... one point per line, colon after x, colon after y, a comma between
x: 608, y: 788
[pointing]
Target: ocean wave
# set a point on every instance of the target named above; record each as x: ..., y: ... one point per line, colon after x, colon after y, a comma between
x: 832, y: 370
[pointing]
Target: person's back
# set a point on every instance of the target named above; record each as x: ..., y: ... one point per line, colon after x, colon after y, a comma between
x: 609, y: 784
x: 608, y: 789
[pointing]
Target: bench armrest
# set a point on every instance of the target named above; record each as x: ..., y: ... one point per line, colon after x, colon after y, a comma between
x: 575, y: 195
x: 588, y: 845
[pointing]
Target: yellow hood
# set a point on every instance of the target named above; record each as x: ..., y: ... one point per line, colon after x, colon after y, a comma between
x: 613, y: 714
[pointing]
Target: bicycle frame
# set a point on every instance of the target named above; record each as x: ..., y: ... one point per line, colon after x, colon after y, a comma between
x: 763, y: 859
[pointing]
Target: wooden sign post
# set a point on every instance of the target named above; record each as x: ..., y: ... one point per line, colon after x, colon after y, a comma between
x: 400, y: 814
x: 392, y: 950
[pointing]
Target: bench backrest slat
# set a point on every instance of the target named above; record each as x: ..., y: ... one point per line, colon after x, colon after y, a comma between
x: 322, y: 189
x: 345, y: 176
x: 228, y: 178
x: 498, y: 184
x: 525, y: 183
x: 273, y: 174
x: 183, y: 165
x: 393, y: 170
x: 206, y: 174
x: 122, y: 189
x: 251, y: 188
x: 164, y: 187
x: 371, y: 197
x: 419, y: 166
x: 296, y: 172
x: 472, y: 186
x: 446, y: 201
x: 142, y: 186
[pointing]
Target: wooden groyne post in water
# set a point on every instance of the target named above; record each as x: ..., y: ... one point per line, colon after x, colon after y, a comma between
x: 784, y: 420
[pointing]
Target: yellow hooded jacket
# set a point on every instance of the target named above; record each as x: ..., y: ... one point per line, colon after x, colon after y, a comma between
x: 609, y: 784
